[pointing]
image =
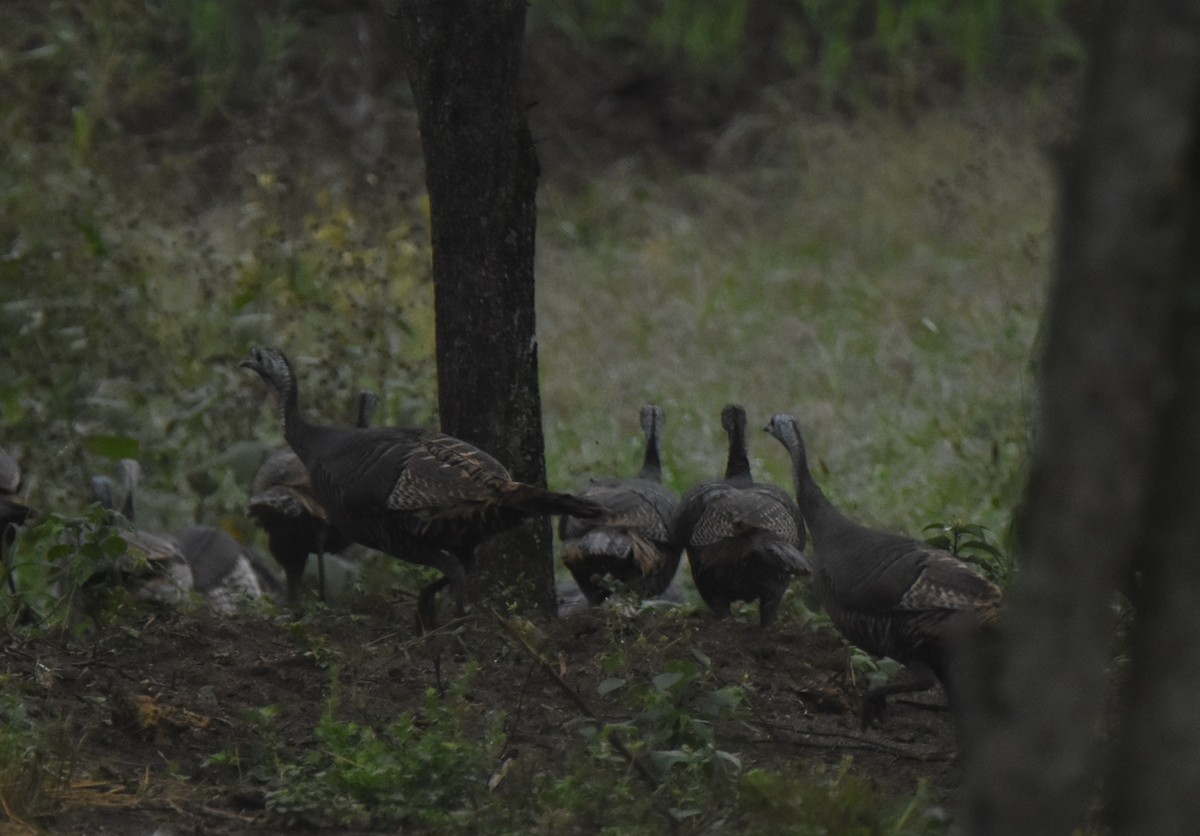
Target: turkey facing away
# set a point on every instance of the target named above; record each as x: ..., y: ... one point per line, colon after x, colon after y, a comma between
x: 416, y: 494
x: 632, y: 540
x: 744, y: 539
x: 153, y: 567
x: 283, y: 505
x: 888, y: 594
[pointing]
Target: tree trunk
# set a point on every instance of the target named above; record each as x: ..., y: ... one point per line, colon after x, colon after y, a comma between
x: 1115, y: 485
x: 464, y: 61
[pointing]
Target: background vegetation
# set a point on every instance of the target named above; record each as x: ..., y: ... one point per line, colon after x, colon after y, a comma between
x: 840, y: 209
x: 182, y: 180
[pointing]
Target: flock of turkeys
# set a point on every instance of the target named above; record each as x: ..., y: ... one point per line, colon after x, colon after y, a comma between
x: 431, y: 499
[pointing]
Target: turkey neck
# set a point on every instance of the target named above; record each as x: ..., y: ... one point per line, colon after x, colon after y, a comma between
x: 652, y: 463
x: 296, y: 430
x: 738, y: 463
x: 815, y: 507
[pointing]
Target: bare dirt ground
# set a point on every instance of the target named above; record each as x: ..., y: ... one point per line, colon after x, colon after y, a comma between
x: 149, y: 705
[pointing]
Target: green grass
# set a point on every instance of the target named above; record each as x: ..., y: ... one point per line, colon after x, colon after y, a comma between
x: 37, y: 754
x: 882, y: 281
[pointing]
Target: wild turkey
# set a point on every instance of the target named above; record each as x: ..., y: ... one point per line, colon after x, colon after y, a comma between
x: 888, y: 594
x: 153, y: 566
x: 283, y: 505
x: 14, y: 511
x: 632, y: 540
x: 416, y: 494
x: 223, y: 570
x: 744, y: 539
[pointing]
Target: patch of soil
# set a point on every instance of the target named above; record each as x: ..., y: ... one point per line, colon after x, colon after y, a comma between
x: 150, y: 707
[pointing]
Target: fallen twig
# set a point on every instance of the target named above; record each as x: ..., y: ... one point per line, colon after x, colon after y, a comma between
x: 14, y: 818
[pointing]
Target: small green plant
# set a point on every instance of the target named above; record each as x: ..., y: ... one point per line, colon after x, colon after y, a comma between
x: 828, y: 800
x: 877, y: 671
x: 36, y: 757
x: 975, y: 544
x: 53, y: 565
x: 427, y: 769
x: 679, y: 713
x: 255, y: 756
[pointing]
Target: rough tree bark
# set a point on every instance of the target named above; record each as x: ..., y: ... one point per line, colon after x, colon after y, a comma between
x: 1114, y: 493
x: 464, y: 62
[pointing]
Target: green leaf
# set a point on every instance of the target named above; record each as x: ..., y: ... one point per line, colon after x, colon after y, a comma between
x: 730, y: 758
x: 113, y: 446
x: 59, y: 551
x: 664, y: 759
x: 202, y: 482
x: 114, y: 546
x: 664, y: 681
x: 681, y: 813
x: 981, y: 546
x: 609, y: 685
x: 729, y: 697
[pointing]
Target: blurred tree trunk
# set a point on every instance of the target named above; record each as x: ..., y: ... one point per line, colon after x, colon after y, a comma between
x: 1113, y: 500
x: 464, y: 65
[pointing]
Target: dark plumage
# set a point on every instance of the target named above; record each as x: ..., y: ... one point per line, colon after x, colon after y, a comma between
x: 416, y: 494
x: 631, y: 541
x: 744, y: 539
x: 888, y: 594
x: 283, y: 505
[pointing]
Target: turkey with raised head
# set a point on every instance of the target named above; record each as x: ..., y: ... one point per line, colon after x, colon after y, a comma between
x: 744, y: 539
x: 889, y: 594
x: 283, y: 505
x: 153, y: 567
x: 631, y: 541
x: 419, y: 495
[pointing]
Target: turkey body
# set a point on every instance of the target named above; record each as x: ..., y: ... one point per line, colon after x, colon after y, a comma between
x: 632, y: 540
x: 224, y: 571
x: 419, y: 495
x: 744, y: 539
x: 283, y: 505
x: 889, y: 594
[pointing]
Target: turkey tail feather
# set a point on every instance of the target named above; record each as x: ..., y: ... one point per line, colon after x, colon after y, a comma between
x: 534, y: 500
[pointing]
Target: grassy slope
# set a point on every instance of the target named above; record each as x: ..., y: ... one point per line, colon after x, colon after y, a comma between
x: 882, y: 280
